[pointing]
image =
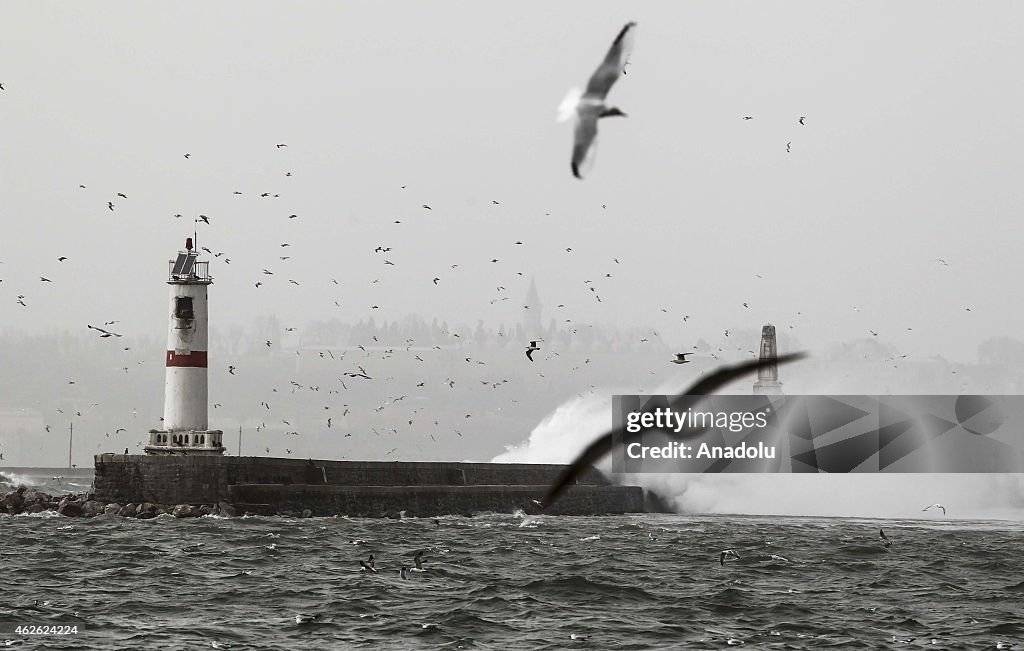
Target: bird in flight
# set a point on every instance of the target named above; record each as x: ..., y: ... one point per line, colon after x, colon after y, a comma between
x: 938, y: 506
x: 884, y: 539
x: 727, y: 553
x: 62, y: 258
x: 106, y: 333
x: 530, y: 350
x: 588, y: 106
x: 802, y: 118
x: 681, y: 358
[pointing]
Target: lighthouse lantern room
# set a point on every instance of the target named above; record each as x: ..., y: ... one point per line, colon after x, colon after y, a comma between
x: 185, y: 428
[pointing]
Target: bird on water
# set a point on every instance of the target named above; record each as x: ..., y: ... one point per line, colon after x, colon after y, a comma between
x: 588, y: 106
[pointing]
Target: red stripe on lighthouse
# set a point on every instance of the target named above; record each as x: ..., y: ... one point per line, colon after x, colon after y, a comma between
x: 195, y: 359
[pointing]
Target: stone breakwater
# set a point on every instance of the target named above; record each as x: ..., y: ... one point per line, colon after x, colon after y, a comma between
x: 370, y: 489
x: 82, y: 505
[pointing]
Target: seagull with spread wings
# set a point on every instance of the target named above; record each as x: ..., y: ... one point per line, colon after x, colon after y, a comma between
x: 106, y: 333
x: 588, y: 106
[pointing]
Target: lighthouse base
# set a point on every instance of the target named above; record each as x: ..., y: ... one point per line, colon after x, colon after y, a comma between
x: 185, y: 442
x: 767, y: 388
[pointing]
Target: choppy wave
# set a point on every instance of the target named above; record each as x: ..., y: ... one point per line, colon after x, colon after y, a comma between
x: 53, y: 481
x: 630, y: 582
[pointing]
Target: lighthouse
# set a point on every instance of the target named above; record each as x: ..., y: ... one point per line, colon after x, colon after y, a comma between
x: 185, y: 428
x: 768, y: 371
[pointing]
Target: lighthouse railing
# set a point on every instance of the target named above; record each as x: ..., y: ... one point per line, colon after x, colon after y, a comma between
x: 199, y: 271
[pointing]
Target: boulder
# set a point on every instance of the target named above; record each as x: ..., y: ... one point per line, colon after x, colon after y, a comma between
x: 14, y: 501
x: 185, y: 511
x: 70, y: 508
x: 34, y: 496
x: 112, y: 509
x: 146, y: 515
x: 227, y: 509
x: 306, y: 513
x: 93, y: 507
x: 128, y: 510
x: 206, y: 509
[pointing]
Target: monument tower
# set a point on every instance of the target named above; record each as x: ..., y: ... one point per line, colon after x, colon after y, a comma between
x: 185, y: 429
x: 768, y: 372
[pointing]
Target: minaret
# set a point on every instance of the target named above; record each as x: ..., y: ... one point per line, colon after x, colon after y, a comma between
x: 768, y: 372
x: 185, y: 388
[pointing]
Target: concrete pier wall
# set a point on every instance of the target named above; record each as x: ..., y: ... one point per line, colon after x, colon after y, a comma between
x: 347, y: 487
x: 426, y: 501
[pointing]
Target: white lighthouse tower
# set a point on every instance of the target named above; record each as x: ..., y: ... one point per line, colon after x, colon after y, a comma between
x: 185, y: 388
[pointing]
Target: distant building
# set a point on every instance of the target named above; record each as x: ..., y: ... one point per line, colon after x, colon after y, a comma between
x: 768, y: 372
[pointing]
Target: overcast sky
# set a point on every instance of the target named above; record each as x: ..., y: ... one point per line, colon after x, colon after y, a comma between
x: 910, y: 152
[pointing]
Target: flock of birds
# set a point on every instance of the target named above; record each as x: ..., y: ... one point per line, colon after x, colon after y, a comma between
x: 584, y: 107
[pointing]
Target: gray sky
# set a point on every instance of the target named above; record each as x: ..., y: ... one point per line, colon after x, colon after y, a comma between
x: 910, y: 152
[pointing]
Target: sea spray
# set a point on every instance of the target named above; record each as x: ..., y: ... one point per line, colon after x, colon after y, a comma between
x: 577, y: 422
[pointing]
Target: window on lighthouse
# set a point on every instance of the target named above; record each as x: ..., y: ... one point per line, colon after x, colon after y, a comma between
x: 183, y: 308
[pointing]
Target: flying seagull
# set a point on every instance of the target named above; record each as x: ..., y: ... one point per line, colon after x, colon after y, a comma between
x: 588, y: 106
x: 938, y: 506
x: 884, y: 539
x: 530, y: 350
x: 106, y: 333
x: 604, y: 444
x: 681, y: 358
x: 727, y: 553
